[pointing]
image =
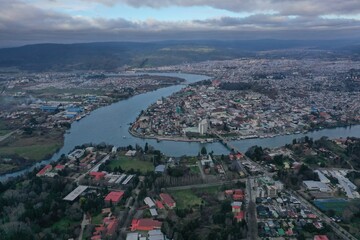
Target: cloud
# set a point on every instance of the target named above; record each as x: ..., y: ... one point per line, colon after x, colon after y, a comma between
x: 283, y: 7
x: 22, y: 23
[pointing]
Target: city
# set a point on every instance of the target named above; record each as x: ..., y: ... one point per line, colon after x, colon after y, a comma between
x: 179, y: 120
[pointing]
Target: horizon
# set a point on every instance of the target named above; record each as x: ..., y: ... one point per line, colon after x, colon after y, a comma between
x: 24, y: 22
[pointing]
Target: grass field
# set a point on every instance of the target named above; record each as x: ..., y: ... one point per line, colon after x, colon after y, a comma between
x: 338, y: 205
x: 34, y: 148
x: 6, y: 167
x: 97, y: 219
x: 35, y: 152
x: 127, y: 163
x: 62, y: 225
x: 194, y: 169
x: 185, y: 198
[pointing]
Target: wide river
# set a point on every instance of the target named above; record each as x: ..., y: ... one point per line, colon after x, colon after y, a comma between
x: 110, y: 125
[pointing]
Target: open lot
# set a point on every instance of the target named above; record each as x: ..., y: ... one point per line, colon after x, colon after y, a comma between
x: 185, y: 198
x: 338, y: 205
x: 35, y: 148
x: 127, y: 163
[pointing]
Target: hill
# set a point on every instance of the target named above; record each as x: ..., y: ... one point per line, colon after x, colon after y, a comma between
x: 114, y: 55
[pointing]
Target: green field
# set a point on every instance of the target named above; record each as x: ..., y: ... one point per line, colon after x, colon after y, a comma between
x: 338, y: 205
x: 63, y: 225
x: 6, y: 167
x: 185, y: 198
x: 127, y: 163
x: 97, y: 219
x: 35, y: 152
x: 194, y: 169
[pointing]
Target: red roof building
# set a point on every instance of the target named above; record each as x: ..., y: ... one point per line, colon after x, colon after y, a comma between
x: 59, y: 167
x: 46, y: 169
x: 159, y: 205
x: 167, y: 199
x: 114, y: 197
x: 111, y: 225
x: 145, y: 224
x: 97, y: 175
x: 239, y: 216
x: 321, y: 237
x: 238, y: 195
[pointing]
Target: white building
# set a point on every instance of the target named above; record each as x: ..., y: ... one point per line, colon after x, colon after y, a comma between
x: 203, y: 126
x: 316, y: 186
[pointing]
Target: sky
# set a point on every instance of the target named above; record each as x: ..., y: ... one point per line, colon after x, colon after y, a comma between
x: 69, y: 21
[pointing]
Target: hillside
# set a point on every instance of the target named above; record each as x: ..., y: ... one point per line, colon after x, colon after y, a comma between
x: 114, y: 55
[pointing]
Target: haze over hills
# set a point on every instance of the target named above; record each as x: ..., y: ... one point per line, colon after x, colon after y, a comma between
x: 114, y: 55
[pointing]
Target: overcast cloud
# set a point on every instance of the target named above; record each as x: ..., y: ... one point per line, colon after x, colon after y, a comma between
x: 23, y: 22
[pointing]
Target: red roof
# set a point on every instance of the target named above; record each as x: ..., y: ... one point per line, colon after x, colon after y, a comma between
x: 97, y: 175
x: 145, y: 224
x: 240, y: 216
x: 239, y: 191
x: 44, y: 170
x: 111, y: 225
x: 59, y: 167
x: 229, y: 192
x: 114, y: 197
x: 159, y: 205
x: 321, y: 237
x: 167, y: 200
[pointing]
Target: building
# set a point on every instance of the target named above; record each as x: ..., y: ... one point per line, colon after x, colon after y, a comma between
x: 148, y: 201
x: 114, y: 197
x: 271, y: 191
x: 322, y: 177
x: 160, y: 168
x: 45, y: 170
x: 168, y: 201
x: 316, y: 186
x: 203, y: 126
x: 239, y: 216
x: 321, y: 237
x: 145, y: 224
x: 97, y: 175
x: 236, y: 207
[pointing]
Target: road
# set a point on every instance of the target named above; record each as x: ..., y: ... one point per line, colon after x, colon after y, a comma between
x: 342, y: 233
x: 94, y: 169
x: 334, y: 226
x: 205, y: 185
x: 2, y: 138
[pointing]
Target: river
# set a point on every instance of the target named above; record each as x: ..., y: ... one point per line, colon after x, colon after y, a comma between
x: 110, y: 125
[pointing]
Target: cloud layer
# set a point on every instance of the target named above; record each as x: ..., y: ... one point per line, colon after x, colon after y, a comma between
x: 23, y: 22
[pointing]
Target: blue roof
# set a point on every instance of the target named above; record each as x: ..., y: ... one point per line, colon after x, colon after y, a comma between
x: 160, y: 168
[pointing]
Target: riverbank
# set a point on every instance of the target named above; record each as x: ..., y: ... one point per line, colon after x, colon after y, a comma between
x: 19, y: 150
x: 110, y: 124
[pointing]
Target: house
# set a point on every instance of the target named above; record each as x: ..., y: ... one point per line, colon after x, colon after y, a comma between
x: 160, y: 169
x: 238, y: 195
x: 236, y: 207
x: 130, y: 153
x: 111, y: 224
x: 239, y: 216
x: 321, y: 237
x: 114, y: 197
x: 59, y: 167
x: 159, y: 205
x: 148, y: 201
x: 167, y: 199
x: 97, y: 175
x: 107, y: 229
x: 46, y: 169
x: 145, y: 224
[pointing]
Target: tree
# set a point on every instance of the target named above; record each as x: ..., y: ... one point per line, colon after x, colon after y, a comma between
x: 203, y: 150
x: 146, y: 148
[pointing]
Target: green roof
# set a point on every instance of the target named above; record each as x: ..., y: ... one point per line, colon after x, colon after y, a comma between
x: 281, y: 231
